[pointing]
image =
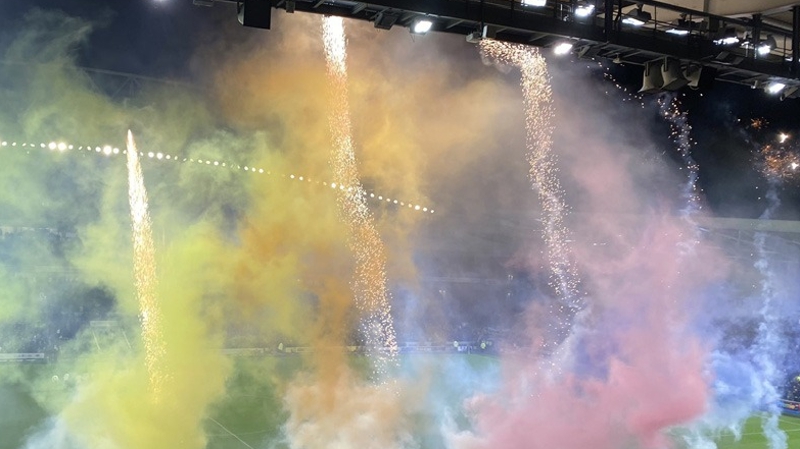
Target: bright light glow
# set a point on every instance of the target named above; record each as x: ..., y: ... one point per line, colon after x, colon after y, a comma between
x: 782, y: 137
x: 421, y: 26
x: 632, y: 21
x: 534, y: 2
x: 795, y: 165
x: 562, y: 48
x: 678, y: 31
x: 774, y: 88
x: 584, y: 11
x: 108, y: 150
x: 730, y: 40
x: 764, y: 50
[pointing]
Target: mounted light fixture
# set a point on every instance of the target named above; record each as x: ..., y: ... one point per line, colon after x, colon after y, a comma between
x: 681, y: 27
x: 562, y: 48
x: 254, y: 13
x: 385, y: 20
x: 766, y: 46
x: 584, y: 10
x: 774, y: 87
x: 727, y: 36
x: 537, y: 3
x: 637, y: 17
x: 421, y: 25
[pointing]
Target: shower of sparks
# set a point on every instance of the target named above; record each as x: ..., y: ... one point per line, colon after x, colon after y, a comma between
x: 543, y: 173
x: 680, y: 132
x: 779, y: 162
x: 108, y: 151
x: 369, y: 280
x: 758, y: 123
x: 631, y: 95
x: 144, y: 265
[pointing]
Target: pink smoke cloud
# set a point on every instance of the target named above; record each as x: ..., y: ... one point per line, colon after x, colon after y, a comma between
x: 633, y: 367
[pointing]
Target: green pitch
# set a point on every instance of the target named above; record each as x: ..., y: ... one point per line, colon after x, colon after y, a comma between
x: 251, y: 414
x: 753, y: 438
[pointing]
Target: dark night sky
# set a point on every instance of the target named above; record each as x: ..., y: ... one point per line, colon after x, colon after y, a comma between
x: 160, y: 38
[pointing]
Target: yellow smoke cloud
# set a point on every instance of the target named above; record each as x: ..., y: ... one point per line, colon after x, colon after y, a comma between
x: 261, y: 251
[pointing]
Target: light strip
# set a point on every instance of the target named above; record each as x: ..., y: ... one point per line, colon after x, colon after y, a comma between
x: 108, y: 150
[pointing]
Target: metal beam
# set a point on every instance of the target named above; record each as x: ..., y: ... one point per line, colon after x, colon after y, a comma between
x: 795, y: 40
x: 524, y: 24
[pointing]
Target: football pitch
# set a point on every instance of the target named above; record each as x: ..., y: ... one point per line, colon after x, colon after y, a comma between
x: 251, y: 413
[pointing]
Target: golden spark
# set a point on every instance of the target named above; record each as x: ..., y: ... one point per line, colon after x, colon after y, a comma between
x: 369, y: 279
x: 144, y: 265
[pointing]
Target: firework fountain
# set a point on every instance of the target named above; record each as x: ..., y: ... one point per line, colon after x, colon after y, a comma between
x: 144, y: 264
x: 680, y: 131
x: 543, y: 174
x: 369, y: 280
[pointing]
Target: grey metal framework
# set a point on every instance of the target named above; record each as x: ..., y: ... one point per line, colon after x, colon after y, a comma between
x: 601, y: 34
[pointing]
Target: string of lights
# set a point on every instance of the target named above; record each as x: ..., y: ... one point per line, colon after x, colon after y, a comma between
x: 109, y: 150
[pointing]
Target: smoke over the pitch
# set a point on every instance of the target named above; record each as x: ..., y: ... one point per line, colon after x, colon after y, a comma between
x: 251, y: 251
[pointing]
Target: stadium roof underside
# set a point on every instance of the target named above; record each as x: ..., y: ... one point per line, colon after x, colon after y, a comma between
x: 690, y: 31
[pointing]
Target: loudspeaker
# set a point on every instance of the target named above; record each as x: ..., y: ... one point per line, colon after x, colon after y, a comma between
x: 671, y: 74
x: 255, y: 13
x: 652, y: 80
x: 692, y: 73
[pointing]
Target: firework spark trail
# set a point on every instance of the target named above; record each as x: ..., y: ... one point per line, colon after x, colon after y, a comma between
x: 678, y: 119
x: 680, y: 132
x: 144, y: 265
x: 369, y: 280
x: 779, y: 161
x: 768, y: 346
x: 543, y: 173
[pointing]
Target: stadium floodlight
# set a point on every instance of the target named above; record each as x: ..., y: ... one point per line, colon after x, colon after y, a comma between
x: 775, y: 87
x: 537, y: 3
x: 637, y: 17
x: 584, y: 10
x: 421, y: 26
x: 678, y: 31
x: 728, y: 36
x: 766, y: 46
x: 680, y: 27
x: 562, y: 48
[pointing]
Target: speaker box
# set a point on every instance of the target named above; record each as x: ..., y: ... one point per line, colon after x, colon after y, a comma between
x: 255, y: 13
